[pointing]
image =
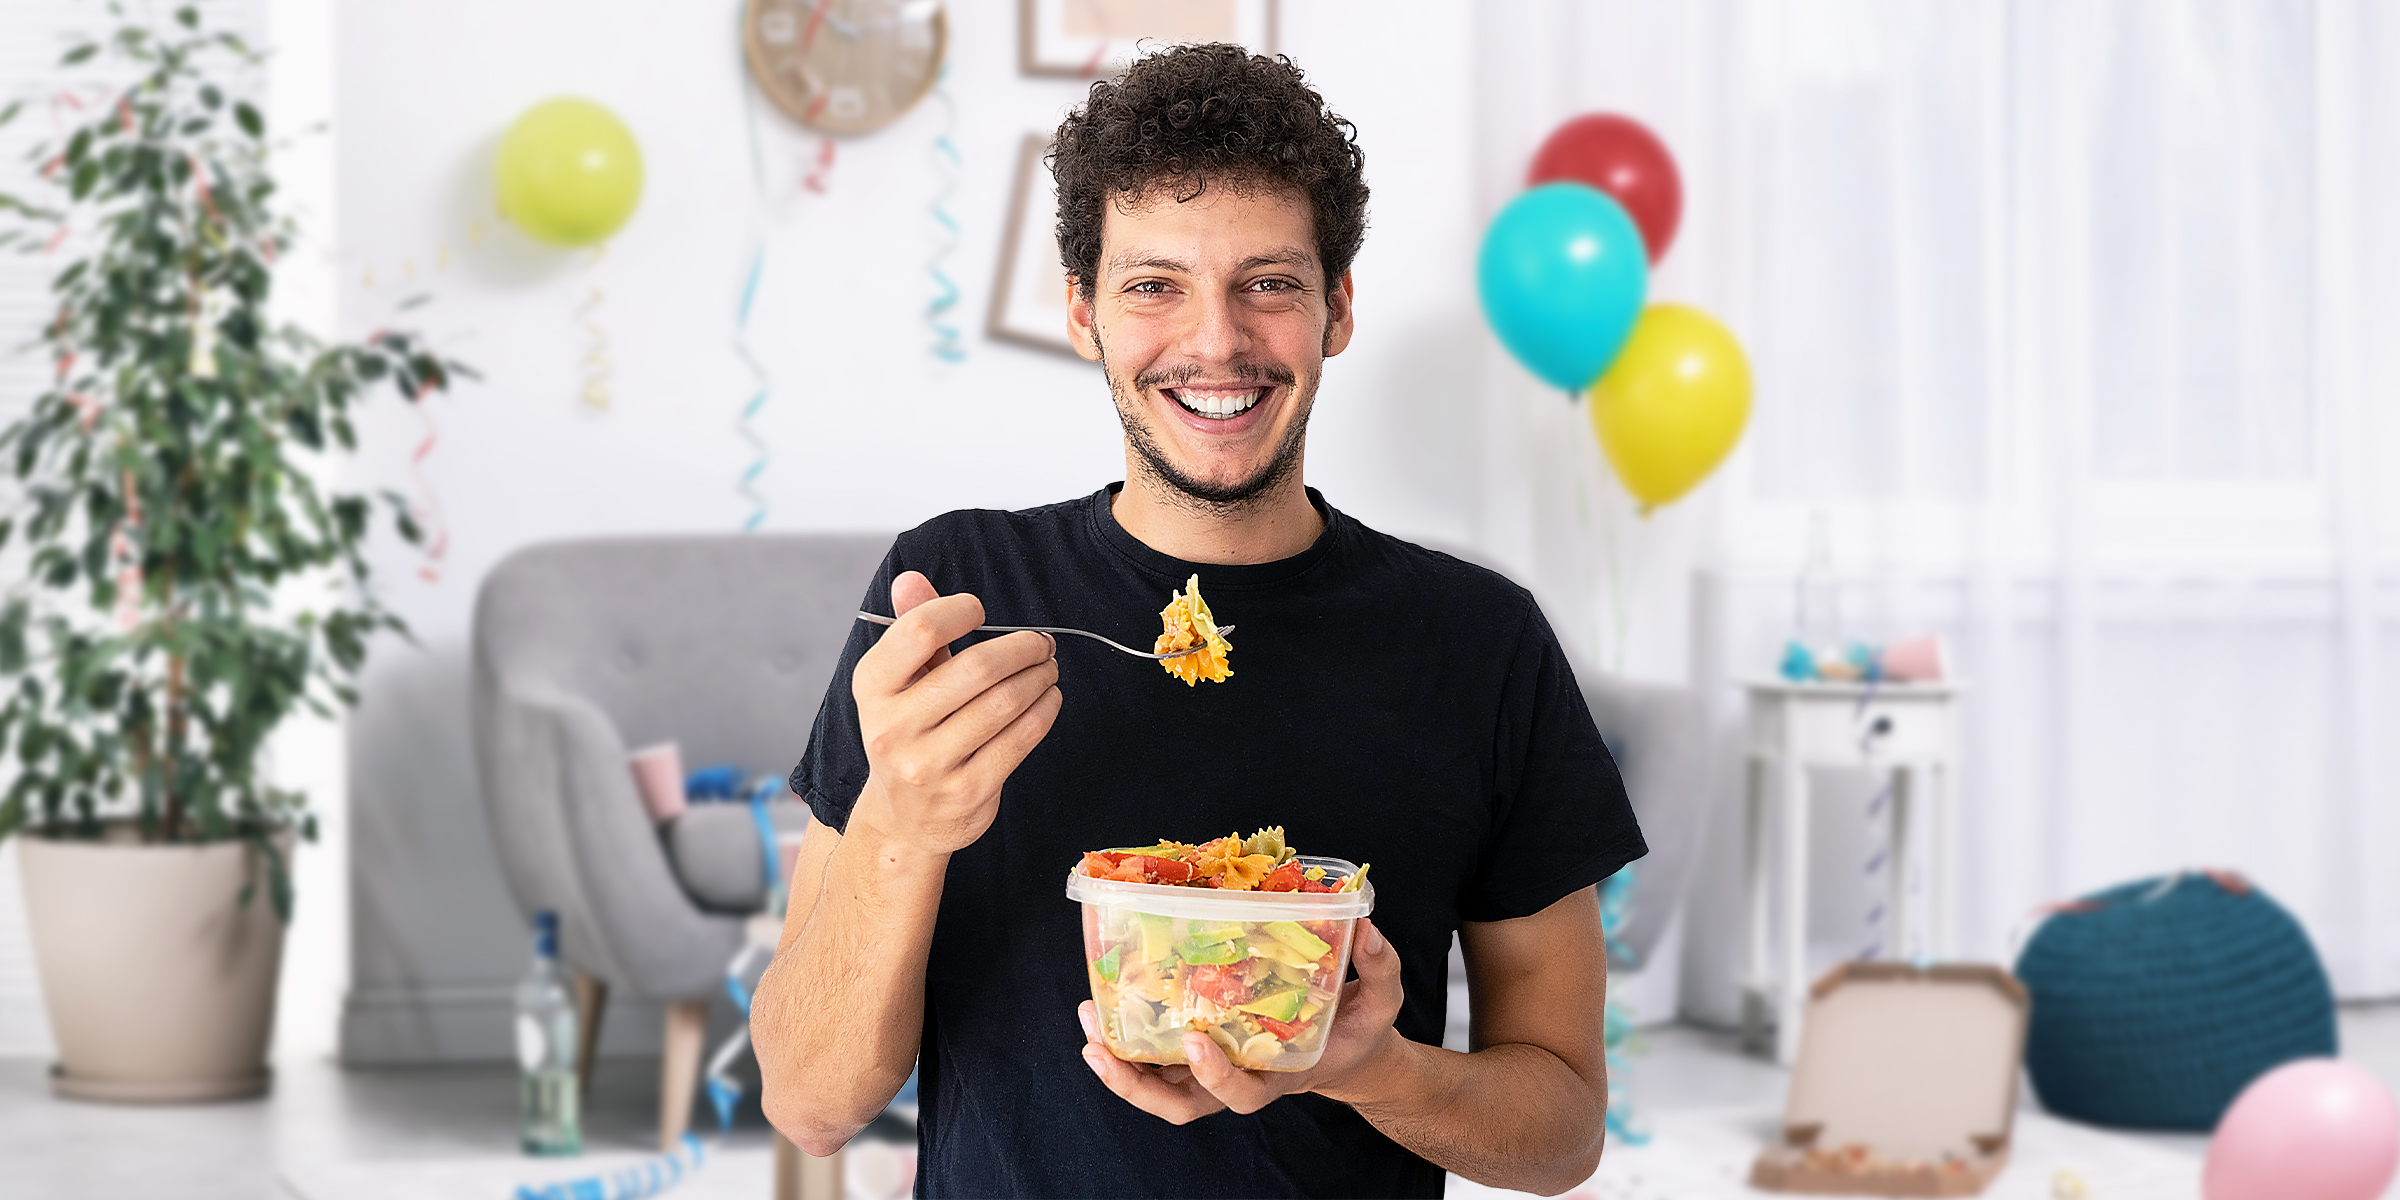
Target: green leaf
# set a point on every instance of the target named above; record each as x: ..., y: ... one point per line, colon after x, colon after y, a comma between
x: 188, y: 17
x: 10, y: 113
x: 79, y: 55
x: 248, y: 118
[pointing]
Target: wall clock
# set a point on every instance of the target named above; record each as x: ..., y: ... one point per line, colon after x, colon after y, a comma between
x: 845, y: 66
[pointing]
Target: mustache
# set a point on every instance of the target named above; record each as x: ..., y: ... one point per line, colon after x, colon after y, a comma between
x: 1248, y: 372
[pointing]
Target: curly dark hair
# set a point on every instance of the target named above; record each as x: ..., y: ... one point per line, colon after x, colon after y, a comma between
x: 1190, y: 116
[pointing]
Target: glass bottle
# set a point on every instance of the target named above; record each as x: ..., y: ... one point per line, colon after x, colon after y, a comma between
x: 548, y: 1119
x: 1818, y: 599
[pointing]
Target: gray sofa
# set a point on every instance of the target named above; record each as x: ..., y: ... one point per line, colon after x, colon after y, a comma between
x: 586, y: 649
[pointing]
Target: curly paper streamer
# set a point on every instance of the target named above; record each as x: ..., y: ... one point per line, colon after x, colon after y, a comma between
x: 647, y: 1178
x: 596, y: 365
x: 429, y: 509
x: 747, y: 422
x: 763, y: 384
x: 1618, y: 1035
x: 1879, y: 841
x: 818, y: 177
x: 127, y: 559
x: 946, y: 344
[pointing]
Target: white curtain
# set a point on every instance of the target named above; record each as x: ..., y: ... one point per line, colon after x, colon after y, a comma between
x: 2064, y: 317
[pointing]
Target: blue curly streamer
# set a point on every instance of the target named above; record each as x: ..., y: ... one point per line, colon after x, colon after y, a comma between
x: 648, y: 1178
x: 1616, y: 904
x: 947, y: 344
x: 748, y: 486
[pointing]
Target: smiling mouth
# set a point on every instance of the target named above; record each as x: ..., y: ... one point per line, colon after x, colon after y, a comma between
x: 1217, y: 404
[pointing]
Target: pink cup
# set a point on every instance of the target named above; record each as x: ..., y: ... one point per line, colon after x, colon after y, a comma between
x: 658, y: 775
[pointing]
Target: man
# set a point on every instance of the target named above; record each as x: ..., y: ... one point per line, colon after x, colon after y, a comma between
x: 1389, y: 704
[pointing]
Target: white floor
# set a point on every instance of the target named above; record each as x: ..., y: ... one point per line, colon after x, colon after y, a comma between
x: 322, y: 1121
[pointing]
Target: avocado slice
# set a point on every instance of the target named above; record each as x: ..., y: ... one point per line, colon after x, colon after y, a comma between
x: 1158, y: 936
x: 1277, y: 1006
x: 1107, y: 963
x: 1211, y: 954
x: 1205, y: 933
x: 1291, y: 934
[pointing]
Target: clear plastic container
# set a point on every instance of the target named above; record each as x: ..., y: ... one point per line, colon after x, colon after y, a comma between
x: 1259, y: 972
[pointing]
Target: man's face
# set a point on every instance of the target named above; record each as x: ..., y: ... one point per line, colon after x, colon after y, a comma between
x: 1213, y: 320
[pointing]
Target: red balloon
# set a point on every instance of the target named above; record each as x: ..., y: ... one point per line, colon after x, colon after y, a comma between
x: 1621, y: 157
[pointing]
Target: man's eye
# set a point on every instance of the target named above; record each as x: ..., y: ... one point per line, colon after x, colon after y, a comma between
x: 1149, y: 287
x: 1273, y: 285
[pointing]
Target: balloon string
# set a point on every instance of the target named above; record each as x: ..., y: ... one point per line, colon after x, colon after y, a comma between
x: 596, y: 365
x: 748, y: 484
x: 946, y: 344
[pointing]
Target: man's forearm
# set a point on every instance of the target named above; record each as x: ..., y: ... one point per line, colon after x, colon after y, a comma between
x: 837, y: 1018
x: 1511, y: 1116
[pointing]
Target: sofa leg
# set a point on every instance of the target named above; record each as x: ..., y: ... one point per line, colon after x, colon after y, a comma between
x: 591, y: 1004
x: 679, y: 1069
x: 799, y: 1177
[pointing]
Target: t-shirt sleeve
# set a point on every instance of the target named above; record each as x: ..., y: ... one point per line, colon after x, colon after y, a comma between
x: 833, y: 770
x: 1561, y: 819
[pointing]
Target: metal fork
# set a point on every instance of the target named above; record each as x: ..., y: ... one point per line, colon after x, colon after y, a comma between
x: 880, y: 619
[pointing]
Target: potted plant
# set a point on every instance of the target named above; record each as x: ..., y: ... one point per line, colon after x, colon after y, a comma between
x: 180, y: 581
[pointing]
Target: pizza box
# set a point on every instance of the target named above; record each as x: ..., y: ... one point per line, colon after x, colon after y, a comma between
x: 1905, y: 1085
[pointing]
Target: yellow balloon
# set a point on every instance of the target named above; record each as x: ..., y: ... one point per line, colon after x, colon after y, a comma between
x: 569, y: 172
x: 1673, y: 404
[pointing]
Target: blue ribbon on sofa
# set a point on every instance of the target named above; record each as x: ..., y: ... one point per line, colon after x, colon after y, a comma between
x: 723, y: 1090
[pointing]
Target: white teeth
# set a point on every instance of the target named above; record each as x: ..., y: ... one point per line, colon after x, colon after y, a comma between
x: 1217, y: 404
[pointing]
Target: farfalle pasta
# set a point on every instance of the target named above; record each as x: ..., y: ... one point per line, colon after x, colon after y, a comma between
x: 1189, y: 624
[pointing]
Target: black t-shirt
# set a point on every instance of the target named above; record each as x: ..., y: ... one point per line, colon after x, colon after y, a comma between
x: 1388, y: 704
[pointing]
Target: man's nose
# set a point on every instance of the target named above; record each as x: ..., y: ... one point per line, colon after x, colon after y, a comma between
x: 1218, y: 331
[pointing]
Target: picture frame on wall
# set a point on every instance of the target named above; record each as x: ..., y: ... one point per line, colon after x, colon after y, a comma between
x: 1029, y: 291
x: 1085, y: 39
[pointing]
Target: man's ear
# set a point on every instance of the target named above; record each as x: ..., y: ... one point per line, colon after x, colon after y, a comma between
x: 1079, y: 322
x: 1338, y: 313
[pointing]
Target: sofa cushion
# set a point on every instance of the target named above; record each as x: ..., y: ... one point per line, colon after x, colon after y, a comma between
x: 716, y: 855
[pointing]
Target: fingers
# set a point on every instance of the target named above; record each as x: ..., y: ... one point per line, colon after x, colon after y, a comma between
x: 1376, y: 994
x: 1000, y: 751
x: 910, y: 590
x: 917, y: 639
x: 1167, y: 1093
x: 1242, y: 1091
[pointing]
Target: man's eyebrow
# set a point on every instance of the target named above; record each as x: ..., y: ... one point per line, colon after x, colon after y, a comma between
x: 1128, y: 262
x: 1288, y: 256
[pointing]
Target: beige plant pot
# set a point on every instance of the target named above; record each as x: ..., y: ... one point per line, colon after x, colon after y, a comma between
x: 160, y: 983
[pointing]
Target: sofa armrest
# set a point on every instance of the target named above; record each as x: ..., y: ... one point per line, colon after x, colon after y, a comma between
x: 573, y: 837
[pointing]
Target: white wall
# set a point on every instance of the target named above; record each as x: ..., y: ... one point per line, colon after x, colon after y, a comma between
x: 867, y: 430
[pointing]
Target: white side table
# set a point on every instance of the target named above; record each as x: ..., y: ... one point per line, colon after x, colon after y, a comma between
x: 1908, y: 729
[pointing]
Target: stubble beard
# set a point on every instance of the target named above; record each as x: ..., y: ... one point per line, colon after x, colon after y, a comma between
x: 1217, y: 499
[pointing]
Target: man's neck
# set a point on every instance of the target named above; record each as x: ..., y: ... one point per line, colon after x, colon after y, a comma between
x: 1276, y: 525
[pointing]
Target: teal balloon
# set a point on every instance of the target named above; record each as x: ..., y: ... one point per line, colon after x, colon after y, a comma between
x: 1563, y: 273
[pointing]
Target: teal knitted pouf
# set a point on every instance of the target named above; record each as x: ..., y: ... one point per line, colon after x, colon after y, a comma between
x: 2155, y: 1003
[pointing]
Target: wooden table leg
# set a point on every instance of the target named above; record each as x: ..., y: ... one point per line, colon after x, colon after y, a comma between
x: 1758, y: 972
x: 1792, y: 988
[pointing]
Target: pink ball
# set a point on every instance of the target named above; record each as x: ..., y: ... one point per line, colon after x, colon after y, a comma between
x: 2316, y: 1129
